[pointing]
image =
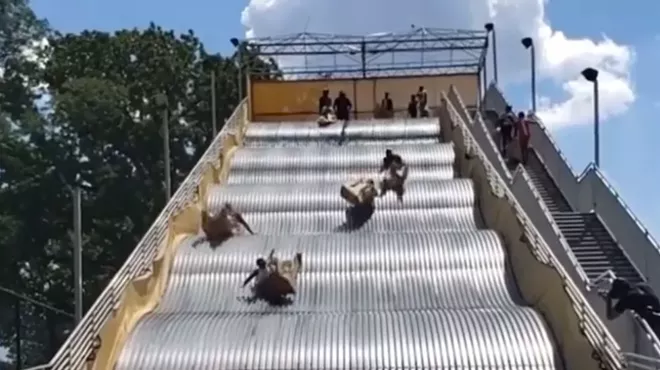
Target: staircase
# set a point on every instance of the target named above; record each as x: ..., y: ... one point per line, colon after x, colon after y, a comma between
x: 589, y: 240
x: 593, y: 247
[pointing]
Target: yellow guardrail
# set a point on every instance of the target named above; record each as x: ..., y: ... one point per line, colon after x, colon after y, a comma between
x: 137, y: 286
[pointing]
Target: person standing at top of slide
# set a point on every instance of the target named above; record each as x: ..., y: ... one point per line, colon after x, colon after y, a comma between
x: 423, y: 101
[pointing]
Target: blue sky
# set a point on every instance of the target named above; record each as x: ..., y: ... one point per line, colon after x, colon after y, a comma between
x: 628, y: 144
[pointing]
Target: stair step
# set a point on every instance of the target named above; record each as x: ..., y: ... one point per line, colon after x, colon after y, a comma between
x: 620, y: 261
x: 580, y: 232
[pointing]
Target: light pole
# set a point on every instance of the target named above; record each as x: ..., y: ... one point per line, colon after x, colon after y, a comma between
x: 529, y: 44
x: 490, y: 27
x: 76, y: 240
x: 591, y: 75
x: 161, y: 102
x: 77, y: 252
x: 239, y: 56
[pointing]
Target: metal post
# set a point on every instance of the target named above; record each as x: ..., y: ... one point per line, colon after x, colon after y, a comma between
x: 214, y: 118
x: 77, y: 253
x: 363, y: 56
x: 533, y: 78
x: 239, y: 55
x: 166, y: 155
x: 485, y: 78
x: 596, y: 126
x: 494, y: 58
x: 19, y: 333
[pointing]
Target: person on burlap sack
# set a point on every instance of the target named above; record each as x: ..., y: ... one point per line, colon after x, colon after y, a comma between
x: 326, y: 112
x: 364, y: 206
x: 275, y: 279
x: 394, y: 174
x: 222, y: 226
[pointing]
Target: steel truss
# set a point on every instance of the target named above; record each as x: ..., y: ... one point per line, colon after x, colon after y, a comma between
x: 421, y: 51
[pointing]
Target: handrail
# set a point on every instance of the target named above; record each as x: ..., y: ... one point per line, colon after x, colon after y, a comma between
x: 599, y: 173
x: 594, y: 329
x: 478, y: 120
x: 453, y: 93
x: 39, y: 367
x: 592, y: 167
x: 83, y: 340
x: 625, y: 206
x: 541, y: 126
x: 641, y: 362
x: 579, y: 178
x: 546, y: 212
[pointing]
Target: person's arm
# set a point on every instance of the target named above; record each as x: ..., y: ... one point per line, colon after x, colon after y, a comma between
x: 383, y: 167
x: 249, y: 278
x: 242, y: 221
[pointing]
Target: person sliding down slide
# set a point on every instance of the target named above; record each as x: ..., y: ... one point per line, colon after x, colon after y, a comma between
x: 361, y: 194
x: 395, y: 173
x: 326, y: 113
x: 275, y: 279
x: 221, y: 227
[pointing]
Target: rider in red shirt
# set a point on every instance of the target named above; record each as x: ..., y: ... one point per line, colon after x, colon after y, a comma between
x: 522, y: 131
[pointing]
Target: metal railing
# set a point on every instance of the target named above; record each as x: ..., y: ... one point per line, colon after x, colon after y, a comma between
x: 593, y: 328
x: 501, y: 101
x: 478, y: 124
x: 84, y: 340
x: 655, y: 344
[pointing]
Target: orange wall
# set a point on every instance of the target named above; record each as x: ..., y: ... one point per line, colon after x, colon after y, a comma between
x: 298, y: 100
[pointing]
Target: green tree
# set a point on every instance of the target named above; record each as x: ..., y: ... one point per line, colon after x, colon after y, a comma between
x: 103, y: 131
x: 21, y: 167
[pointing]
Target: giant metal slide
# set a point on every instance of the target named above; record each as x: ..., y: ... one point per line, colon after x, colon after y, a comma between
x: 421, y: 285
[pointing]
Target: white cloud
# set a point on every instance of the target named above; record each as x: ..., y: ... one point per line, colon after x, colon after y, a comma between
x: 560, y: 59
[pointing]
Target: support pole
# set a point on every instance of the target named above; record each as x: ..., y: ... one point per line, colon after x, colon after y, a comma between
x: 166, y: 155
x: 239, y: 55
x: 596, y: 126
x: 495, y: 75
x: 77, y: 253
x: 19, y: 333
x: 363, y: 57
x: 533, y: 78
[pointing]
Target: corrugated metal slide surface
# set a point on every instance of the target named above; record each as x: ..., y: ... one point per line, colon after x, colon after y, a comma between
x: 419, y: 286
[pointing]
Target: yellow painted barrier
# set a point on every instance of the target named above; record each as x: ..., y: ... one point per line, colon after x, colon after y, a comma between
x: 144, y: 293
x: 297, y: 100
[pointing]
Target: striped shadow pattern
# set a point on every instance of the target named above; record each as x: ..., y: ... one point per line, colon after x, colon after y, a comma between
x: 419, y: 286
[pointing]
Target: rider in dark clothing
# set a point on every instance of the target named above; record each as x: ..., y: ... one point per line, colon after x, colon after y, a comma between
x: 343, y: 107
x: 390, y: 158
x: 387, y: 105
x: 260, y: 270
x: 324, y: 101
x: 506, y: 123
x: 412, y: 107
x: 638, y: 298
x: 422, y: 100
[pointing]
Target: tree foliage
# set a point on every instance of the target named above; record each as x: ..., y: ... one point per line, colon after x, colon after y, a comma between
x: 101, y: 129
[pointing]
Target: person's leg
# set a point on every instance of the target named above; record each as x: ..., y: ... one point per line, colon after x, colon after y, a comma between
x: 399, y: 190
x: 524, y: 148
x: 506, y: 138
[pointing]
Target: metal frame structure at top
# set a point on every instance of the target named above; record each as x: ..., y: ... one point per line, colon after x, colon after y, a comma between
x: 426, y: 51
